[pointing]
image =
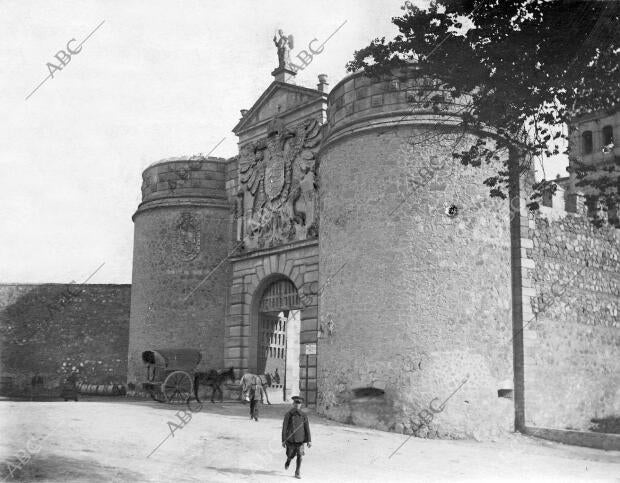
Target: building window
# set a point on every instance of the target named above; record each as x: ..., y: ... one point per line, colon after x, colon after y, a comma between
x: 608, y: 135
x: 586, y: 142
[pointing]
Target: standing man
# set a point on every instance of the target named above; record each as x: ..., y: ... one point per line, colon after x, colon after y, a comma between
x: 295, y: 432
x: 256, y: 393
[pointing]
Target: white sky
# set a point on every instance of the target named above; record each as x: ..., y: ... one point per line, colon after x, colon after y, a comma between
x: 157, y: 79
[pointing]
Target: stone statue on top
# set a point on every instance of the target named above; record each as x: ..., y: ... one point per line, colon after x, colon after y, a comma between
x: 284, y: 44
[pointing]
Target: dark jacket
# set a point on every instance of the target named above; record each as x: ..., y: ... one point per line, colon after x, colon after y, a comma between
x: 257, y: 392
x: 295, y: 428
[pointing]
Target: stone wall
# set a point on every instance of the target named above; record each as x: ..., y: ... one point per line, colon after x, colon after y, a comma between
x: 47, y: 330
x: 572, y: 343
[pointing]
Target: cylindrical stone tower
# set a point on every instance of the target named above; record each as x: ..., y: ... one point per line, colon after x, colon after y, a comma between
x: 414, y: 263
x: 180, y: 278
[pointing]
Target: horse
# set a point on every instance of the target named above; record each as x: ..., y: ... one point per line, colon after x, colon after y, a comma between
x: 215, y: 379
x: 248, y: 380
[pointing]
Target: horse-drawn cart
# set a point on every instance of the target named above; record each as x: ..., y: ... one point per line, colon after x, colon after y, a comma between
x: 170, y: 374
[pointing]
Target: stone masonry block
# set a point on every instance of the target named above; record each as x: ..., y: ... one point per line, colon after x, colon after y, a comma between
x: 288, y: 267
x: 311, y: 361
x: 309, y: 325
x: 527, y: 263
x: 260, y: 272
x: 236, y: 309
x: 308, y: 337
x: 282, y: 263
x: 234, y: 352
x: 273, y: 262
x: 311, y: 276
x: 310, y: 312
x: 527, y: 243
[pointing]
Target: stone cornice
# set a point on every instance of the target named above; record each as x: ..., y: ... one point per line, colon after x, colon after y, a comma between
x: 194, y: 202
x: 273, y: 250
x: 243, y: 124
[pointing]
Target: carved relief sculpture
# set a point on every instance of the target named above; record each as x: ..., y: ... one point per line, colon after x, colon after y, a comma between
x: 188, y: 237
x: 278, y: 175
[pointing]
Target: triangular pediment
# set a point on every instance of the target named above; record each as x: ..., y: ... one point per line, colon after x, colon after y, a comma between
x: 279, y: 98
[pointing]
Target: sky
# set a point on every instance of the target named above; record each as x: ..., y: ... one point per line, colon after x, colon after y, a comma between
x: 155, y: 79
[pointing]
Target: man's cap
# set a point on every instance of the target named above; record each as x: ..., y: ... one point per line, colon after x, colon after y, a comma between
x: 297, y: 399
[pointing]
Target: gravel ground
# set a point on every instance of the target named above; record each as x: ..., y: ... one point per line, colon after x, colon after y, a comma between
x: 104, y: 440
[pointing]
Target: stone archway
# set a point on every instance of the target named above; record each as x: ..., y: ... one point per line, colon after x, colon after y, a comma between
x: 251, y: 275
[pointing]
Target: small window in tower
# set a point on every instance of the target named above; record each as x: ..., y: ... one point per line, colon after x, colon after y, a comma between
x: 608, y: 136
x: 367, y: 392
x: 586, y: 139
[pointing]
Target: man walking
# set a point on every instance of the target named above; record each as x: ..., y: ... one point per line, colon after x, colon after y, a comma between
x: 256, y: 394
x: 295, y: 432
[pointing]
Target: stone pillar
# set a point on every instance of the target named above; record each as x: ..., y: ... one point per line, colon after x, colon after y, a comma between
x: 293, y: 326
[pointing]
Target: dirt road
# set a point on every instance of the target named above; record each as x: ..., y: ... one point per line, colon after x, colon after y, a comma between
x: 116, y: 440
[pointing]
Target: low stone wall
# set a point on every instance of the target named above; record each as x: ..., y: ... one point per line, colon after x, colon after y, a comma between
x: 48, y: 331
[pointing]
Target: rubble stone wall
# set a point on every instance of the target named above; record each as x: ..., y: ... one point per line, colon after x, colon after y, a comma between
x: 572, y: 345
x: 50, y: 330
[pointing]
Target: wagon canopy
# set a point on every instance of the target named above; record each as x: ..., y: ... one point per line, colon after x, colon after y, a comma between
x: 173, y: 359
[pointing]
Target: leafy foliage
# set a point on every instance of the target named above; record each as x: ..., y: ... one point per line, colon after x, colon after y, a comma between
x: 528, y: 68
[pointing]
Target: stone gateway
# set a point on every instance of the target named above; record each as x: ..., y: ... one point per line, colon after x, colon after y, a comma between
x: 344, y: 254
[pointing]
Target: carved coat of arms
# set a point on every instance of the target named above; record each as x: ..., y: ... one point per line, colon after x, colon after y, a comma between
x: 188, y: 236
x: 279, y: 173
x: 274, y: 167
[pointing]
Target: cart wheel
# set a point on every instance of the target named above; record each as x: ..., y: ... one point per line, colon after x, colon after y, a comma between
x: 177, y: 387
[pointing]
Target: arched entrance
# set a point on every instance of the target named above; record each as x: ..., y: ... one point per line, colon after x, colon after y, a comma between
x: 279, y: 322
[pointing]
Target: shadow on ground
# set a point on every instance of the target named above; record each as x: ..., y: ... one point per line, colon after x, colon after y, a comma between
x: 227, y: 408
x: 610, y: 424
x: 243, y: 471
x: 61, y: 468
